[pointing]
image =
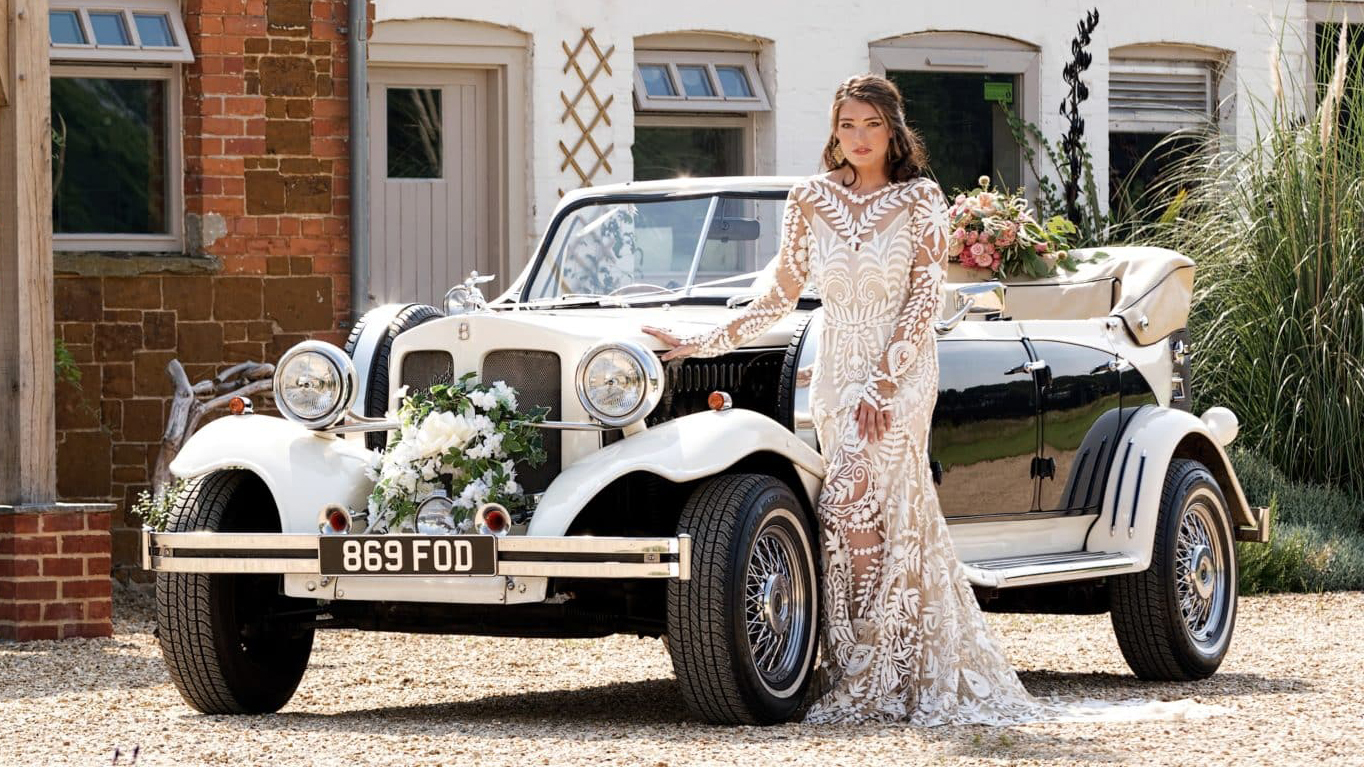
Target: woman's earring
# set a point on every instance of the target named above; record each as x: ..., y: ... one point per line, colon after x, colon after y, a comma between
x: 838, y: 154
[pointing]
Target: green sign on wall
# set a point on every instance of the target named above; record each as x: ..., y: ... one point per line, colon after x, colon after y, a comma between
x: 1001, y: 92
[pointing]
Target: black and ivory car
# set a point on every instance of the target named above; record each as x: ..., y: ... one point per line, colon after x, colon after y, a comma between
x: 679, y: 500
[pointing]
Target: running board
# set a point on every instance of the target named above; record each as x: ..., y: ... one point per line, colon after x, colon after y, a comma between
x: 1046, y: 568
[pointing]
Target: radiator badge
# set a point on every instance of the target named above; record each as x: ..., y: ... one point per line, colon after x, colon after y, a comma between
x: 464, y: 331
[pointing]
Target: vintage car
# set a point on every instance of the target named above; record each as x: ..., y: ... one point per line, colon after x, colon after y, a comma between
x: 679, y: 499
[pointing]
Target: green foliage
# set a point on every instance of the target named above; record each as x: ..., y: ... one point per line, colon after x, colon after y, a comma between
x: 463, y: 439
x: 65, y: 364
x: 1316, y: 543
x: 1277, y: 229
x: 155, y: 509
x: 1092, y: 223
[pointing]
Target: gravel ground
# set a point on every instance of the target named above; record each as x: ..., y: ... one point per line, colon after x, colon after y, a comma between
x: 1293, y: 682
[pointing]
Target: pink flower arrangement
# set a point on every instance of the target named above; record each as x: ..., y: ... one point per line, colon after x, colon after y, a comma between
x: 996, y: 231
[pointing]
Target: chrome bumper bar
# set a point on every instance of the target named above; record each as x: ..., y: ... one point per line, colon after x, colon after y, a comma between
x: 517, y: 555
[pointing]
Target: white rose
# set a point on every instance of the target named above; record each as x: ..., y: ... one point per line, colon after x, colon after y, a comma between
x: 440, y: 432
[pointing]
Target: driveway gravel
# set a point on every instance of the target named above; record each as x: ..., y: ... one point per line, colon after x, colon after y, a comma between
x: 1293, y: 684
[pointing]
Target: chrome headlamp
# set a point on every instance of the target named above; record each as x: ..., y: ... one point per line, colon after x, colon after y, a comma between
x: 619, y: 382
x: 315, y: 384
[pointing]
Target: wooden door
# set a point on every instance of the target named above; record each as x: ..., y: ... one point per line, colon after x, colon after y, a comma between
x: 431, y: 135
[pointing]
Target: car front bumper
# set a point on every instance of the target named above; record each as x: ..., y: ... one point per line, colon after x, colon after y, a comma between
x: 517, y: 555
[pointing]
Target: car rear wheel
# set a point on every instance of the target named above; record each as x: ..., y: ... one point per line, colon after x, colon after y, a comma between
x: 742, y: 630
x: 1174, y: 620
x: 226, y: 643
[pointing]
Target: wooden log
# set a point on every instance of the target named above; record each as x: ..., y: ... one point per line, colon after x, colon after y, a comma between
x: 28, y: 472
x: 186, y: 410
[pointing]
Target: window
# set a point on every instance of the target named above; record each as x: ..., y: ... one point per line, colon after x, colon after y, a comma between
x: 116, y: 147
x: 695, y: 113
x: 133, y: 33
x: 1158, y: 110
x: 957, y: 88
x: 675, y: 146
x: 706, y: 81
x: 414, y: 132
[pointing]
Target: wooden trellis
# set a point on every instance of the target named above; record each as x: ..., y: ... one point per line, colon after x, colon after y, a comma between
x: 596, y: 158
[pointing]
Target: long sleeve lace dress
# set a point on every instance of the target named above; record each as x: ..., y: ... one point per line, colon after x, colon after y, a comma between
x: 904, y: 637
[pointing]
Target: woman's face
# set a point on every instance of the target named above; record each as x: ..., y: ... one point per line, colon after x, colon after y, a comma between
x: 863, y: 135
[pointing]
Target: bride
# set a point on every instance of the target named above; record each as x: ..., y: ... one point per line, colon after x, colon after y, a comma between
x: 905, y: 639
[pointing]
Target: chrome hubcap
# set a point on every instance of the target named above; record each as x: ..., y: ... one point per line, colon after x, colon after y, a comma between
x: 777, y: 603
x: 1201, y: 577
x: 775, y: 592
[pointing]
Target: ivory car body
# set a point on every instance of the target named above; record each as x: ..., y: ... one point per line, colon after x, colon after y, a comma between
x: 680, y: 499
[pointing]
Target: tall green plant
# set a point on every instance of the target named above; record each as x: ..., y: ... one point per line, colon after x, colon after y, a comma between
x: 1277, y: 229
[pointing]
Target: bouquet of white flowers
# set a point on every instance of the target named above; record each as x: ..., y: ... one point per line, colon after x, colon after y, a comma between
x: 461, y: 438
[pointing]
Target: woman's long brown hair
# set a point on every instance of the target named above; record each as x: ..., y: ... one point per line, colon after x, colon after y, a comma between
x: 906, y: 157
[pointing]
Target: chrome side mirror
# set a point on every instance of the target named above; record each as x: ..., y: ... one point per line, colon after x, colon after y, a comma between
x: 977, y: 298
x: 467, y: 297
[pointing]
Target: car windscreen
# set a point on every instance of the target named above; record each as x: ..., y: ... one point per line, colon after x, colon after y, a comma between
x: 645, y: 247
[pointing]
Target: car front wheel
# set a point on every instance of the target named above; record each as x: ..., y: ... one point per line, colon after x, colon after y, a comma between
x: 227, y: 644
x: 1174, y: 620
x: 742, y: 631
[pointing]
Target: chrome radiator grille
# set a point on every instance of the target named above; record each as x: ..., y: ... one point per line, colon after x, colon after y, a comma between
x: 535, y: 377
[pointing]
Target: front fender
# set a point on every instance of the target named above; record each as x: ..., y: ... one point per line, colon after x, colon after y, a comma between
x: 683, y: 449
x: 304, y: 470
x: 1131, y: 503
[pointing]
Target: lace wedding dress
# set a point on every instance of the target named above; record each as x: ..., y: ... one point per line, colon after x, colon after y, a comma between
x: 904, y: 637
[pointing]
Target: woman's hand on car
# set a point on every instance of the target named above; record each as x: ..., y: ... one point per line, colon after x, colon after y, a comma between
x: 679, y: 350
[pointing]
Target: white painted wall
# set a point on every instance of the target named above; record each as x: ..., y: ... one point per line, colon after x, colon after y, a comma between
x: 817, y: 43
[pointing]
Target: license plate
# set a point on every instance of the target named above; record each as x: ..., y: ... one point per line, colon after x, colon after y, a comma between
x: 407, y: 555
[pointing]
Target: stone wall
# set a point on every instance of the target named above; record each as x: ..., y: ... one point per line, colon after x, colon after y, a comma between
x: 266, y: 262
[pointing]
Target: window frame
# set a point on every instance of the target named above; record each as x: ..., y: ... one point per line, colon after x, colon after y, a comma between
x: 136, y: 52
x: 672, y: 59
x: 168, y: 242
x: 745, y: 122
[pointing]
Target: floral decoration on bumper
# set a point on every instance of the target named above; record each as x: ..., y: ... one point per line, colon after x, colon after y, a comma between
x: 995, y: 231
x: 461, y: 439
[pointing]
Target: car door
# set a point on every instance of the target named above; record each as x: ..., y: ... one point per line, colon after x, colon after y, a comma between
x: 1080, y: 419
x: 984, y: 433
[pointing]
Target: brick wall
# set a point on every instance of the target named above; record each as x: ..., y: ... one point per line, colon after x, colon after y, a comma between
x: 54, y: 574
x: 267, y: 257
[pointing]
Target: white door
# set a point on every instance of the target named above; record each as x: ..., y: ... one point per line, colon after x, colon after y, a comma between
x: 431, y: 188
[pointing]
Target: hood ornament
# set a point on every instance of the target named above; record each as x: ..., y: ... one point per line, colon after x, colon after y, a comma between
x: 467, y: 297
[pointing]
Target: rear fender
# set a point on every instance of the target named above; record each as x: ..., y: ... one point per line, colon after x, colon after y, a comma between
x: 692, y: 447
x: 303, y: 469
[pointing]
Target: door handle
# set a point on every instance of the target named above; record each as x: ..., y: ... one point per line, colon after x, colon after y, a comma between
x: 1038, y: 369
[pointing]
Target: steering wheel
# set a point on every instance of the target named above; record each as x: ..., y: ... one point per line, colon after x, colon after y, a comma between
x: 635, y: 285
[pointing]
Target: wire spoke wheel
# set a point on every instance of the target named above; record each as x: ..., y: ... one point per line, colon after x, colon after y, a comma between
x: 1200, y: 572
x: 774, y: 589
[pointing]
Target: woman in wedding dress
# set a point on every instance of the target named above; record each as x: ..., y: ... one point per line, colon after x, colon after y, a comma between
x: 905, y: 639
